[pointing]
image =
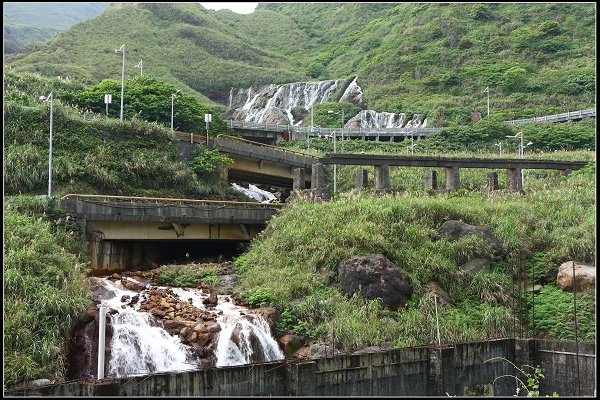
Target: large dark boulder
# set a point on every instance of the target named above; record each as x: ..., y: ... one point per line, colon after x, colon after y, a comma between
x: 454, y: 230
x: 375, y: 277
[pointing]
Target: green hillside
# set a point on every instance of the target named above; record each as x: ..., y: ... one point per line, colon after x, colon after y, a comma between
x: 431, y: 59
x: 27, y: 23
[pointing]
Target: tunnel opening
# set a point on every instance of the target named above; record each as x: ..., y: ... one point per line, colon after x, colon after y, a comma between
x: 184, y: 251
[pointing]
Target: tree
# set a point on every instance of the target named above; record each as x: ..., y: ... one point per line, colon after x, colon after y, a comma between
x: 149, y: 99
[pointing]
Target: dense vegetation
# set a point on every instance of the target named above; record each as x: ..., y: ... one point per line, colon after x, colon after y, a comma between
x: 93, y: 153
x: 431, y: 59
x: 294, y: 262
x: 44, y: 289
x: 24, y: 25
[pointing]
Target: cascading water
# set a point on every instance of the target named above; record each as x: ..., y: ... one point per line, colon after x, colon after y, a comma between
x: 255, y: 193
x: 140, y: 344
x: 272, y: 103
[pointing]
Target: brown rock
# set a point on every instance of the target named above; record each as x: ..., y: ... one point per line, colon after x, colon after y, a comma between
x: 290, y: 343
x: 585, y: 276
x: 211, y: 300
x: 434, y: 290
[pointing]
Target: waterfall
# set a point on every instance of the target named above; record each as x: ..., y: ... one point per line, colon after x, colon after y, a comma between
x: 274, y: 103
x: 140, y: 345
x: 255, y: 193
x: 244, y: 338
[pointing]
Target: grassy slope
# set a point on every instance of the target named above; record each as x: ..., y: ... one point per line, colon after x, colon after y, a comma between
x: 97, y: 156
x: 432, y: 59
x: 293, y: 264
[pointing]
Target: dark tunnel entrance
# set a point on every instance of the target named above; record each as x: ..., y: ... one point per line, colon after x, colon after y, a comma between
x: 182, y: 251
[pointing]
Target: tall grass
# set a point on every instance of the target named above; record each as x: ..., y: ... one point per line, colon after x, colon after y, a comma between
x: 296, y: 258
x: 44, y: 293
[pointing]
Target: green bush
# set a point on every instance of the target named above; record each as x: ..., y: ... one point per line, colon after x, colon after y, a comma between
x: 179, y: 276
x: 45, y: 293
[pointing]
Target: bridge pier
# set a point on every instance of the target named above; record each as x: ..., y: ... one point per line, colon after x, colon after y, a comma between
x: 299, y: 182
x: 382, y: 178
x: 515, y: 181
x: 361, y: 178
x: 318, y: 182
x: 452, y: 178
x: 492, y: 181
x: 431, y: 180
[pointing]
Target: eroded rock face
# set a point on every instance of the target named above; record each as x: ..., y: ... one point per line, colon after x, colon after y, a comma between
x: 454, y: 230
x: 585, y: 276
x: 475, y: 265
x: 374, y: 277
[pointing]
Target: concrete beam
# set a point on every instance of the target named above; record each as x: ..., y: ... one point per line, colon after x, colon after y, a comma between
x: 515, y: 179
x: 452, y: 178
x: 431, y: 180
x: 492, y: 181
x: 361, y: 179
x: 382, y: 178
x: 130, y: 230
x: 299, y: 181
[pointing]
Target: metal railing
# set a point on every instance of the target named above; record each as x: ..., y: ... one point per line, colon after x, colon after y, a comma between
x: 165, y: 200
x: 318, y: 131
x: 556, y: 117
x: 269, y: 146
x: 315, y: 131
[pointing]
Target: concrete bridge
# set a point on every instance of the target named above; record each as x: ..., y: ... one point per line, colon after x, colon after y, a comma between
x: 262, y: 163
x: 263, y: 131
x: 133, y: 231
x: 451, y: 166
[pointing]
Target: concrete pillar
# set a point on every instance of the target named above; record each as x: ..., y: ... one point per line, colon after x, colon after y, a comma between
x: 382, y: 178
x: 361, y: 179
x: 318, y: 181
x: 492, y: 182
x: 452, y: 178
x: 431, y: 180
x: 435, y: 375
x: 515, y: 182
x: 299, y: 182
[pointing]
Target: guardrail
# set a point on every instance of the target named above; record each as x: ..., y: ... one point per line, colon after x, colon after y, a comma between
x: 318, y: 131
x: 386, y: 132
x: 277, y: 148
x: 165, y: 200
x: 556, y: 117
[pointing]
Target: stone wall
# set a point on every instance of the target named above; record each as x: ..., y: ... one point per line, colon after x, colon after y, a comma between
x: 418, y: 371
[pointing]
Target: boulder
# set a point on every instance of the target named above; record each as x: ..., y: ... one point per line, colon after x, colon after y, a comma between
x: 434, y: 290
x: 269, y: 314
x: 317, y: 350
x: 453, y: 230
x: 290, y: 343
x: 133, y: 284
x: 375, y: 277
x: 585, y: 276
x: 475, y: 265
x: 274, y: 115
x: 211, y: 300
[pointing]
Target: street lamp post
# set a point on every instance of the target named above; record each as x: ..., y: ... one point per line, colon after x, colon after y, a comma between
x: 140, y: 65
x: 334, y: 166
x: 487, y: 90
x: 173, y: 95
x: 521, y: 152
x: 207, y: 119
x: 499, y: 144
x: 50, y: 98
x: 122, y: 50
x: 342, y: 125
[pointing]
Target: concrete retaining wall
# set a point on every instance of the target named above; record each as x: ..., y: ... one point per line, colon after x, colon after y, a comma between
x: 419, y: 371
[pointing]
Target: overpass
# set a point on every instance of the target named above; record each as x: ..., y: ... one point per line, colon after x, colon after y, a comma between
x: 261, y: 163
x: 271, y: 132
x: 451, y: 166
x: 133, y: 231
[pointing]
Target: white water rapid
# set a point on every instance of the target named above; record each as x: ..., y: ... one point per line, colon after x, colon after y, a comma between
x: 140, y: 345
x: 255, y: 193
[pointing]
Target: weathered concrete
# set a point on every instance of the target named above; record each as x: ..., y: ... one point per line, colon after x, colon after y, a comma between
x: 107, y: 208
x: 361, y: 179
x: 299, y: 181
x: 515, y: 179
x: 318, y: 183
x: 417, y: 371
x: 492, y: 181
x: 431, y: 180
x: 185, y: 150
x: 382, y: 178
x: 452, y: 178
